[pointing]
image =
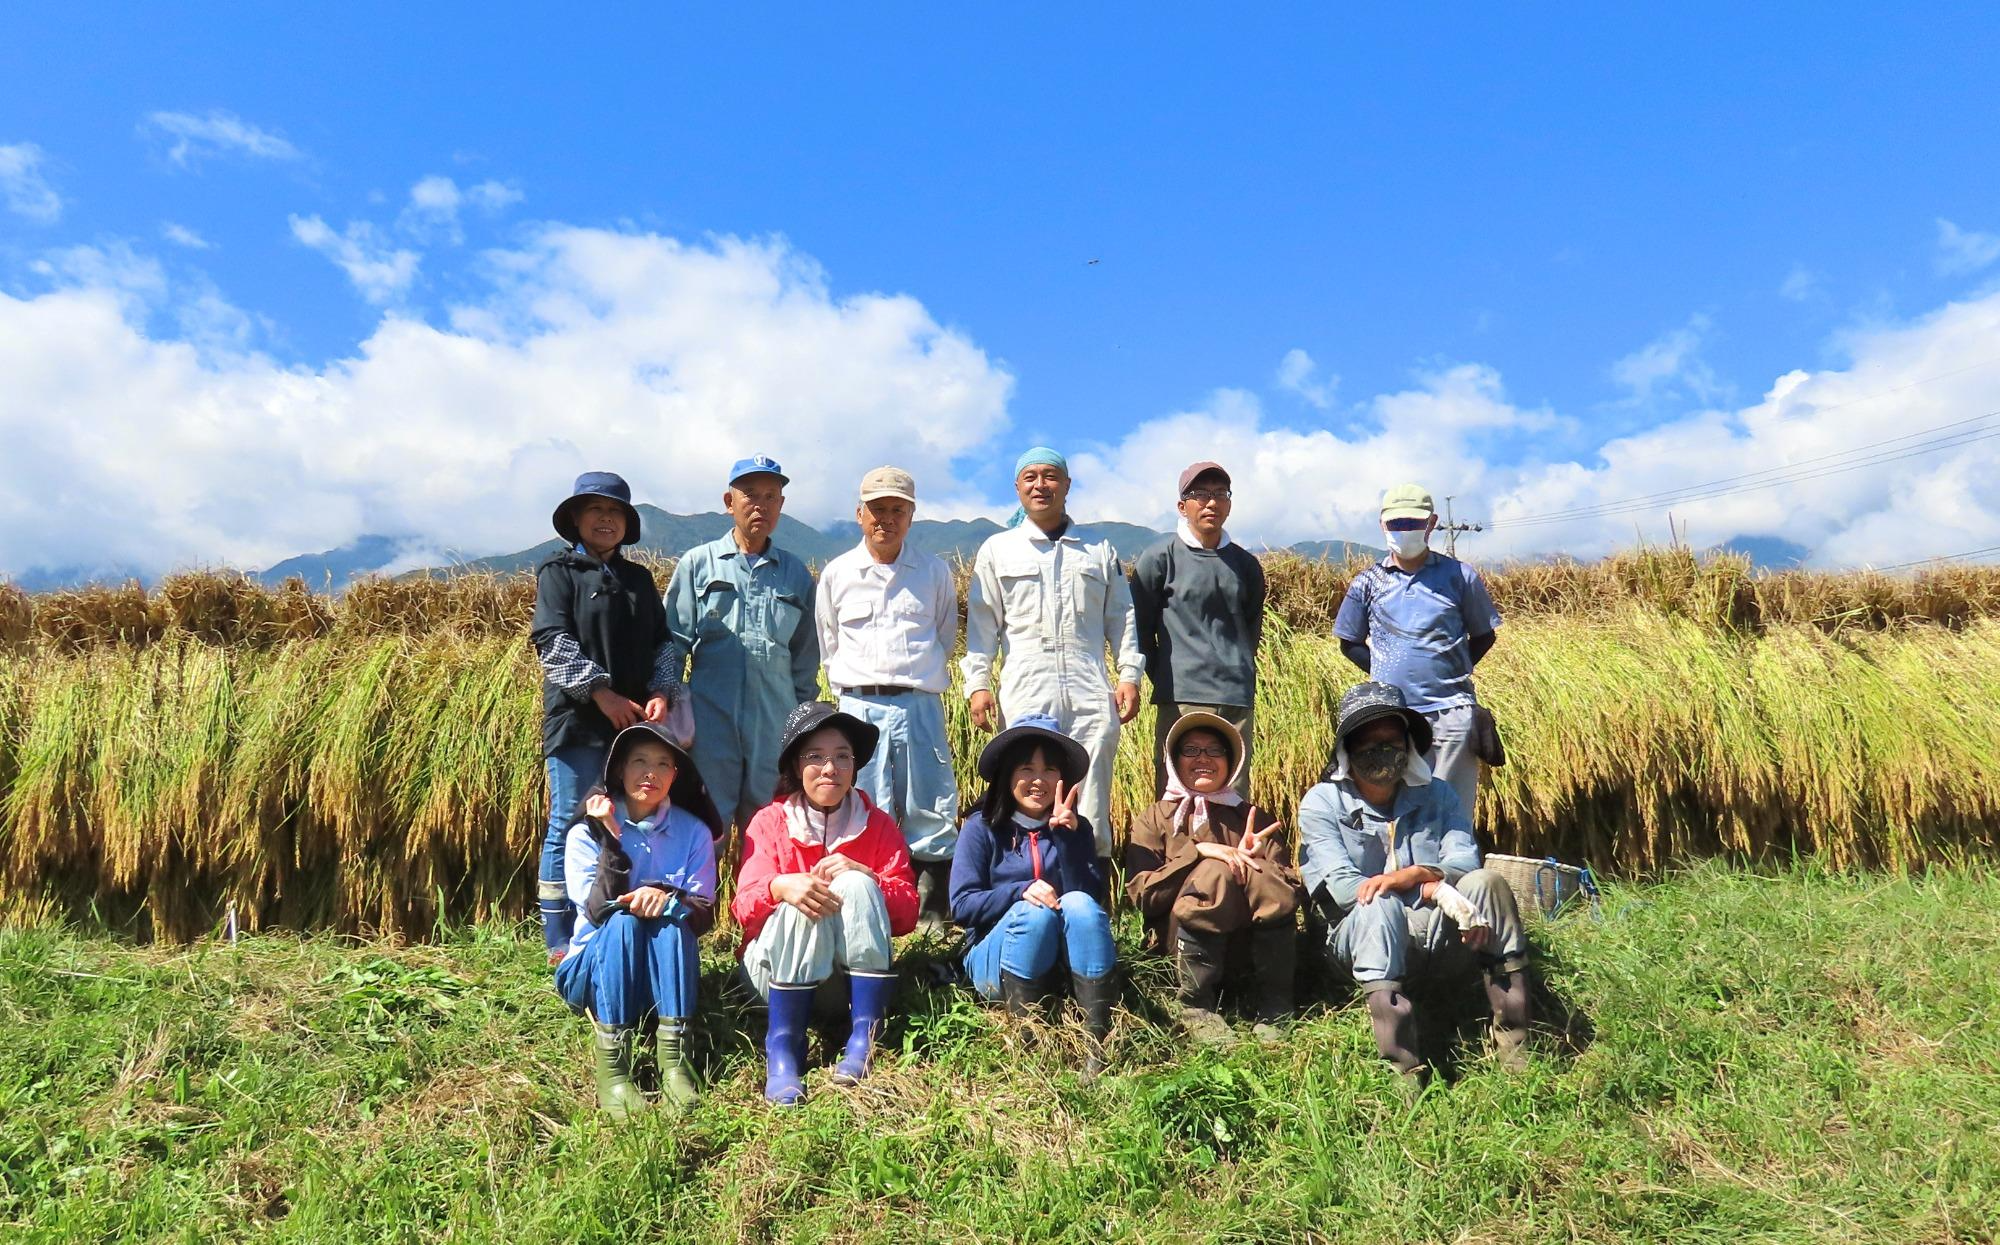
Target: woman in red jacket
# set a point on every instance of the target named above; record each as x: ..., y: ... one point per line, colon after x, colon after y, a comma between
x: 825, y: 884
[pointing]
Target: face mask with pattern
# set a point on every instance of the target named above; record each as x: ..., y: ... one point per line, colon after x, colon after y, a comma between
x: 1379, y: 763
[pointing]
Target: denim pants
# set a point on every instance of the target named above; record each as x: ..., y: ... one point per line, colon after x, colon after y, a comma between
x: 1030, y: 939
x: 794, y: 949
x: 910, y: 776
x: 633, y: 967
x: 1395, y: 937
x: 573, y: 769
x: 1451, y: 757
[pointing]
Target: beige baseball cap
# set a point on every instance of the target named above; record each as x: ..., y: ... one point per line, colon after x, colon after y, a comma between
x: 889, y: 482
x: 1408, y: 501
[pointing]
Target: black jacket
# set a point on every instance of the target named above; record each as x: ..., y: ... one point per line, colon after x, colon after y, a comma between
x: 615, y: 613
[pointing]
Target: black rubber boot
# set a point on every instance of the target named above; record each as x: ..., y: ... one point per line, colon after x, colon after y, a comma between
x: 1095, y: 995
x: 1019, y: 995
x: 933, y: 896
x: 1395, y: 1022
x: 1274, y: 954
x: 1200, y: 959
x: 1507, y: 995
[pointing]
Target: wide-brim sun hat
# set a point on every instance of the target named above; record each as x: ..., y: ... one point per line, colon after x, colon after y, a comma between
x: 1369, y: 702
x: 1202, y: 719
x: 1068, y: 754
x: 606, y: 484
x: 816, y: 715
x: 688, y: 790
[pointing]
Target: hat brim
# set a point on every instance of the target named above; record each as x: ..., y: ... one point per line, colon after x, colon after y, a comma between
x: 1203, y: 720
x: 688, y: 790
x: 880, y: 493
x: 1070, y: 757
x: 1408, y: 512
x: 1418, y: 726
x: 565, y: 523
x: 863, y: 737
x: 779, y: 476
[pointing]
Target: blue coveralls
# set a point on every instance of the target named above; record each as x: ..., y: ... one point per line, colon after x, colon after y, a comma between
x: 747, y: 622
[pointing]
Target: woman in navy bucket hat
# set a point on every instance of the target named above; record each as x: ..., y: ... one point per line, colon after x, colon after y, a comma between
x: 600, y: 632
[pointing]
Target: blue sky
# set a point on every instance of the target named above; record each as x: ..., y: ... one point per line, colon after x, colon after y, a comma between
x: 1501, y: 244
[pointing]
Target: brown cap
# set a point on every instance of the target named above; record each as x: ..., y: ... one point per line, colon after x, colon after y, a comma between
x: 1189, y: 476
x: 889, y: 482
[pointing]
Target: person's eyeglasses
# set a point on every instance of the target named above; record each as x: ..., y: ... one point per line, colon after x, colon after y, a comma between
x: 1192, y: 752
x: 1405, y: 525
x: 820, y: 760
x: 1206, y: 495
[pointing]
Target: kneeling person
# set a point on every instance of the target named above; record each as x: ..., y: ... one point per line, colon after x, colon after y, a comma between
x: 1387, y: 850
x: 825, y: 883
x: 1026, y: 884
x: 1212, y: 875
x: 639, y: 866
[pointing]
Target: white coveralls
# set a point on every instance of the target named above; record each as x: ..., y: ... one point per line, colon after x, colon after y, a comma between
x: 1052, y: 604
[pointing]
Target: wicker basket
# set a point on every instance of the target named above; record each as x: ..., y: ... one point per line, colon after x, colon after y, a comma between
x: 1543, y: 885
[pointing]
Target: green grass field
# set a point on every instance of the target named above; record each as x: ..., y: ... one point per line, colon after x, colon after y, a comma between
x: 1806, y: 1056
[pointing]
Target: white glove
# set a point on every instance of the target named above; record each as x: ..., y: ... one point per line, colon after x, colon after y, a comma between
x: 1457, y: 907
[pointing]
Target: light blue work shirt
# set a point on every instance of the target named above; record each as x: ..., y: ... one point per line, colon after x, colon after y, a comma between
x: 746, y: 621
x: 1418, y: 627
x: 1343, y: 839
x: 672, y: 848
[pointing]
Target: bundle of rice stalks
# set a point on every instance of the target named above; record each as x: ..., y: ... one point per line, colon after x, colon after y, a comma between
x: 17, y: 617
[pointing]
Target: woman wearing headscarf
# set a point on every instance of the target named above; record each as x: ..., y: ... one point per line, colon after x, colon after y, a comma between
x: 1212, y: 876
x: 825, y: 885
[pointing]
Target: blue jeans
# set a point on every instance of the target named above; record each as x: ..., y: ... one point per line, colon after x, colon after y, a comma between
x: 910, y: 776
x: 573, y: 769
x: 1029, y: 940
x: 633, y: 967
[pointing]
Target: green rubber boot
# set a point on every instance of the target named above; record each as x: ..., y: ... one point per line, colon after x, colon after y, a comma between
x: 616, y: 1093
x: 677, y: 1085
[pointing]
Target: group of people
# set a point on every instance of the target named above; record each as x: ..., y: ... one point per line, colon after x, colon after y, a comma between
x: 670, y: 721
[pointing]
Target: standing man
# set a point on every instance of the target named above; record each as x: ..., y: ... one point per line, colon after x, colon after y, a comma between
x: 888, y: 618
x: 1198, y: 598
x: 1420, y: 621
x: 742, y: 609
x: 1052, y: 604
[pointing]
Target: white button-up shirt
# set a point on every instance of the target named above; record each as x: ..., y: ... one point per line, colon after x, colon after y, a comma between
x: 887, y: 624
x: 1053, y: 604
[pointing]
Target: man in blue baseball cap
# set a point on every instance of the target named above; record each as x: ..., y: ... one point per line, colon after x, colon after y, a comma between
x: 742, y: 609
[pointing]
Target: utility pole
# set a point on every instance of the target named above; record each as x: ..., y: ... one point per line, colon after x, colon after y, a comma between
x: 1451, y: 528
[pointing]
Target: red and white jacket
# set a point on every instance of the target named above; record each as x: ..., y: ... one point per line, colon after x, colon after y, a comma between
x: 772, y: 852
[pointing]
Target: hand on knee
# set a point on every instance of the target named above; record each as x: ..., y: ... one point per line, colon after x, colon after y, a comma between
x: 854, y: 886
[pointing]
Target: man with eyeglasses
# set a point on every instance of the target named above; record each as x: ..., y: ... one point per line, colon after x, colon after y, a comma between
x: 1420, y: 621
x: 1198, y: 599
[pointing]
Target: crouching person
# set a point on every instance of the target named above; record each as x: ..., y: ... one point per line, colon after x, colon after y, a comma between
x: 1387, y: 851
x: 1026, y: 884
x: 639, y: 866
x: 1212, y: 875
x: 825, y: 884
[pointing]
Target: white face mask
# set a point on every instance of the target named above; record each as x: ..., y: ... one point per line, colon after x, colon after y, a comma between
x: 1407, y: 544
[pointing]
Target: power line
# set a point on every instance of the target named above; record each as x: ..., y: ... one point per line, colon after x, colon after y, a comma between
x: 1715, y: 488
x: 1673, y: 494
x: 1942, y: 557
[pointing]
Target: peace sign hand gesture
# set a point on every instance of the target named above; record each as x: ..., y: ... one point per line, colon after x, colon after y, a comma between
x: 1063, y: 815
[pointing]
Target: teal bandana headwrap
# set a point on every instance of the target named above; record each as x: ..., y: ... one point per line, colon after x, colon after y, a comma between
x: 1040, y: 456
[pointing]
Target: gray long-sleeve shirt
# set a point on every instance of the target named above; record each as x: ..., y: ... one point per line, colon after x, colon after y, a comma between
x: 1200, y: 615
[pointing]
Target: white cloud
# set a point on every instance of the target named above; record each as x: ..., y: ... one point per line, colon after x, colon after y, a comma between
x: 663, y: 360
x: 190, y: 138
x: 1669, y: 364
x: 435, y: 201
x: 181, y: 235
x: 1298, y: 373
x: 24, y: 188
x: 380, y: 271
x: 1800, y: 285
x: 1962, y: 251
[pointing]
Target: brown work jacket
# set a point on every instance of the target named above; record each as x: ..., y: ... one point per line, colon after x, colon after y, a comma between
x: 1174, y: 885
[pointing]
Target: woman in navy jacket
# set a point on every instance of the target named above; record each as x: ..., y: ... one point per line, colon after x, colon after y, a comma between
x: 1026, y: 883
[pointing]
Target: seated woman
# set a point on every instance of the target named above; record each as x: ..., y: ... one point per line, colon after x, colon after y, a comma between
x: 1212, y: 876
x: 1026, y: 884
x: 825, y: 883
x: 639, y: 866
x: 1389, y: 859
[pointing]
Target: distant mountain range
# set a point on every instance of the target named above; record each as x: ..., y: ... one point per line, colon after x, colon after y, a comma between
x: 670, y: 535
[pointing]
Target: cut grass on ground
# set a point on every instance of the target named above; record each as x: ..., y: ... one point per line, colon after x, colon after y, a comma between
x: 1751, y: 1058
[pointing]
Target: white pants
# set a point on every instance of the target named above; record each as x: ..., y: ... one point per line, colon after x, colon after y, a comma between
x: 794, y: 949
